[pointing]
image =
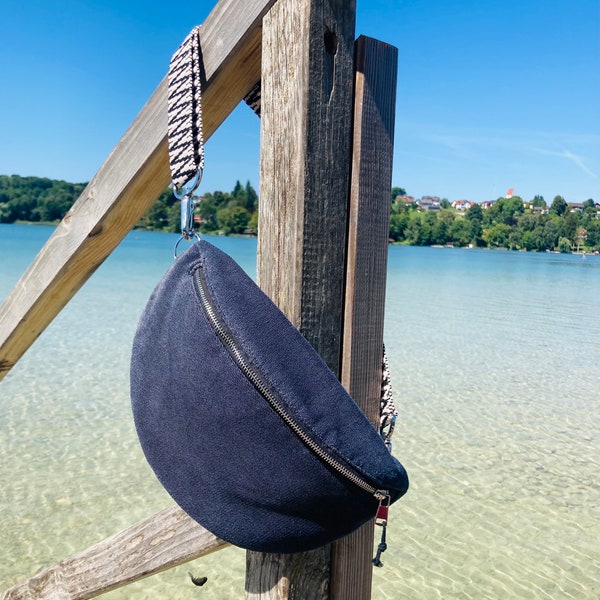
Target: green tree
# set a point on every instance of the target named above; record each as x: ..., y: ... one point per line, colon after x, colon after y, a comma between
x: 419, y: 229
x: 497, y: 235
x: 398, y: 224
x: 253, y: 223
x: 239, y: 194
x: 398, y: 191
x: 475, y: 216
x: 506, y: 210
x: 53, y: 206
x: 592, y: 239
x: 233, y: 220
x: 439, y: 232
x: 564, y: 244
x: 568, y: 225
x: 538, y: 201
x: 251, y: 198
x: 549, y: 235
x: 529, y: 241
x: 461, y: 232
x: 558, y: 206
x: 475, y: 213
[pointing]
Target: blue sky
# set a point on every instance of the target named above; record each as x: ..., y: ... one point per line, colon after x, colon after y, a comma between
x: 492, y: 95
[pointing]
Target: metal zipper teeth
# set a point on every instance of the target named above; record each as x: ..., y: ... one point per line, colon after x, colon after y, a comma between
x: 256, y: 381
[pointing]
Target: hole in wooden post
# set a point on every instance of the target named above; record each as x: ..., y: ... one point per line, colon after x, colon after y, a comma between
x: 330, y: 40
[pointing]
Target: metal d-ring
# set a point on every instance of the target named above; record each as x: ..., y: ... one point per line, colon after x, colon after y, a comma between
x: 195, y: 236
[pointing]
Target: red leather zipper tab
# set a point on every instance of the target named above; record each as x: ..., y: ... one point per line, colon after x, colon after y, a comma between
x: 382, y: 514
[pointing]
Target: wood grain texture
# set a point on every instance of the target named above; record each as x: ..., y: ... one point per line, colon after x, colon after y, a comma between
x: 306, y: 141
x: 160, y: 542
x: 369, y: 212
x: 130, y: 180
x: 306, y: 117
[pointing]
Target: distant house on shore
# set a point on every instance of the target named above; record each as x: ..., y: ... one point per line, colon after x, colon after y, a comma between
x: 428, y: 203
x: 487, y: 204
x: 462, y: 205
x: 404, y: 199
x: 539, y: 210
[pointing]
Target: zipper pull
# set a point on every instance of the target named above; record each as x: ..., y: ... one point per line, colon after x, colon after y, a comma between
x: 381, y: 519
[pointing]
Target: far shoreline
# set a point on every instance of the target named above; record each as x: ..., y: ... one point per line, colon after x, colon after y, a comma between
x: 583, y: 253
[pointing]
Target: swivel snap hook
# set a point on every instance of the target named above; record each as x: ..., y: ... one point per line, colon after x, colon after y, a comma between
x: 186, y: 195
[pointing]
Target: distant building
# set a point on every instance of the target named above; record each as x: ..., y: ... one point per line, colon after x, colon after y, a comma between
x: 427, y: 203
x: 462, y: 205
x: 404, y: 199
x: 539, y: 210
x: 487, y: 204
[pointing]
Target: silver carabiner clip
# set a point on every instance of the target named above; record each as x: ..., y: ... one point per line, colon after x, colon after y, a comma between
x: 186, y: 195
x: 187, y: 218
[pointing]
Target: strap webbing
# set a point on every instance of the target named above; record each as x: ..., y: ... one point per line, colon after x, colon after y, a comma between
x: 387, y: 408
x: 186, y: 143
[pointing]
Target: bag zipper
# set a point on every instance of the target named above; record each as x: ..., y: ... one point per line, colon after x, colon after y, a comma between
x: 210, y: 311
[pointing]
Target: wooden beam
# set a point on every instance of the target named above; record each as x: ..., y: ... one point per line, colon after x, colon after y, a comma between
x: 130, y: 180
x: 306, y: 140
x: 160, y: 542
x: 368, y: 232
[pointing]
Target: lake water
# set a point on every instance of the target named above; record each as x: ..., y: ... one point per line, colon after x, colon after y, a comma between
x: 495, y: 359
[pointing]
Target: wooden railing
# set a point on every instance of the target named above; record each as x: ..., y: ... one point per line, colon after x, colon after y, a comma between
x: 131, y: 179
x: 326, y: 163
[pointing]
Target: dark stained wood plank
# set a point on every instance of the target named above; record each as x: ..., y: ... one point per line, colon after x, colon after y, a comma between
x: 369, y: 213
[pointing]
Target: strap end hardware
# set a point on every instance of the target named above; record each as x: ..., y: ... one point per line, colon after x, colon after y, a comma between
x: 188, y: 188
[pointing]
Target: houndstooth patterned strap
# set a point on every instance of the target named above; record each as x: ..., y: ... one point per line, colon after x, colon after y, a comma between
x: 387, y: 409
x: 253, y: 97
x: 186, y: 143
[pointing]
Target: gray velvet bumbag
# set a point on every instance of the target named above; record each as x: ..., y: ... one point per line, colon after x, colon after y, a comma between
x: 243, y: 423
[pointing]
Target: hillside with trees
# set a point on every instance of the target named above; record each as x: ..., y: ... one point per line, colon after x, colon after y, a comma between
x: 35, y: 199
x: 507, y: 223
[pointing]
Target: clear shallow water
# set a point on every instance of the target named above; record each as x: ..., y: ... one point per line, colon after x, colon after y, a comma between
x: 495, y: 361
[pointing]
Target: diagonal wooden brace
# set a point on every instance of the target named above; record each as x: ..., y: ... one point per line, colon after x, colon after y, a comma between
x: 130, y: 180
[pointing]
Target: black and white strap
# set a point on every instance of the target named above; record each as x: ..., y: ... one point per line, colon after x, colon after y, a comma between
x: 387, y: 409
x: 186, y: 142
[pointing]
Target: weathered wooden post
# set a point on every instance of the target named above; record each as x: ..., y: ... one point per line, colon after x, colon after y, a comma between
x: 368, y: 231
x: 306, y: 142
x: 310, y: 236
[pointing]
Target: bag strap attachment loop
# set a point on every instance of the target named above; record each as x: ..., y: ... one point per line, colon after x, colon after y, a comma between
x: 185, y: 134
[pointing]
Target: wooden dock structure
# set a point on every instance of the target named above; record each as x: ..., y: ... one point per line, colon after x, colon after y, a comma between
x: 327, y: 129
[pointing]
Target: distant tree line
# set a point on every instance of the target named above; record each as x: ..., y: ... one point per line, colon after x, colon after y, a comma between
x: 35, y: 198
x: 509, y: 223
x: 41, y: 200
x: 228, y: 213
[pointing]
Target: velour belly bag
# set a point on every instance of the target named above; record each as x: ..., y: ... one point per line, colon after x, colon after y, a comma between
x: 243, y: 423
